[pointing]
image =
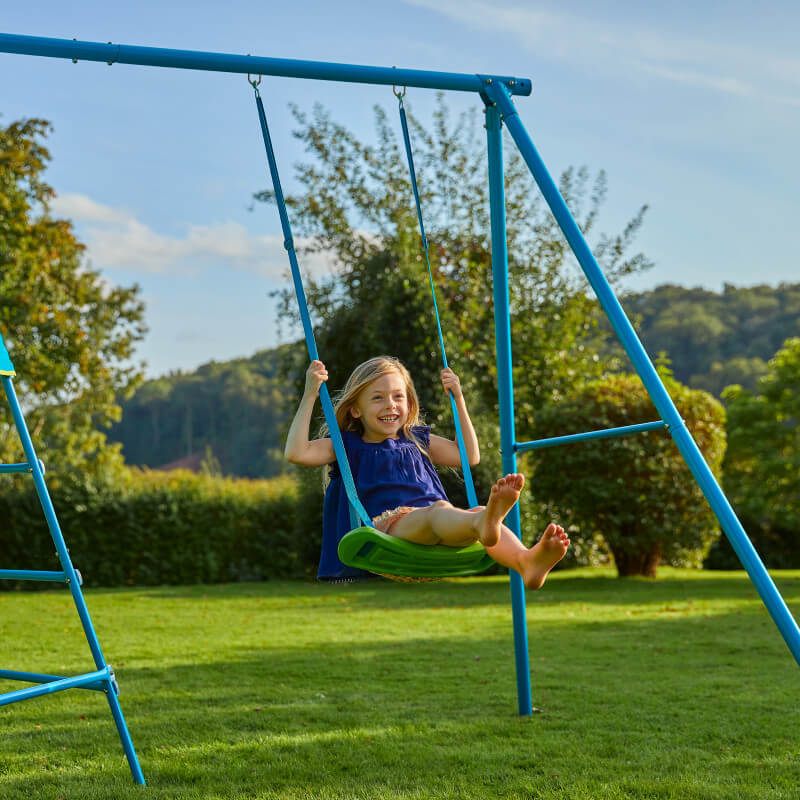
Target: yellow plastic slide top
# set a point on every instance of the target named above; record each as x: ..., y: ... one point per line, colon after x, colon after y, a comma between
x: 6, y: 367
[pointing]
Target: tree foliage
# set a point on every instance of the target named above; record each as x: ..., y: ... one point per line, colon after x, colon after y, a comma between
x: 69, y: 334
x: 154, y: 421
x: 762, y: 467
x: 636, y: 491
x: 231, y: 414
x: 355, y: 201
x: 716, y: 339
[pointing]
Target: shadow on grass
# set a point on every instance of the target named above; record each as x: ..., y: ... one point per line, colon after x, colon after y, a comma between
x: 427, y: 717
x: 586, y: 586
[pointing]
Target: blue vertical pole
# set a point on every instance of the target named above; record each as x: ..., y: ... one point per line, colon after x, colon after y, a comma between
x: 505, y: 389
x: 72, y: 578
x: 747, y: 554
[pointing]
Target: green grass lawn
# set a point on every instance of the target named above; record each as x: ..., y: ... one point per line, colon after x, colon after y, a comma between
x: 675, y: 688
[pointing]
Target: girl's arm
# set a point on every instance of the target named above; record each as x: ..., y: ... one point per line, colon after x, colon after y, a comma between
x: 299, y: 450
x: 445, y: 451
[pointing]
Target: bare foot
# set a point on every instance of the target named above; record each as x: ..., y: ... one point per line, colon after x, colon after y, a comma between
x: 544, y: 555
x: 502, y: 498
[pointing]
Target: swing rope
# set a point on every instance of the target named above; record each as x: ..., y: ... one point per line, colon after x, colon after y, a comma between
x: 358, y: 514
x: 462, y: 450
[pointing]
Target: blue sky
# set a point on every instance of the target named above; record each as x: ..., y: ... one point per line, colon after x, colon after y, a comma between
x: 693, y: 108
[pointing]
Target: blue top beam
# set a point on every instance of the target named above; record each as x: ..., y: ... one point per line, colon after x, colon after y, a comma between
x: 254, y: 65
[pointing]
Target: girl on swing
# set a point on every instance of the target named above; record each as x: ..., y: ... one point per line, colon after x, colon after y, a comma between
x: 391, y: 457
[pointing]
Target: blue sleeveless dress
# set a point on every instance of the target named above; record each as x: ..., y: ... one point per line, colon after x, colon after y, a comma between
x: 387, y: 474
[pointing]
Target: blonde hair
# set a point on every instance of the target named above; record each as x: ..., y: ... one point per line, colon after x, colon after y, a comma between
x: 360, y: 378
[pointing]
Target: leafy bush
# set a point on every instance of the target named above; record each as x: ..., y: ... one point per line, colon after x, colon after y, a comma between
x: 778, y: 548
x: 159, y: 528
x: 635, y: 492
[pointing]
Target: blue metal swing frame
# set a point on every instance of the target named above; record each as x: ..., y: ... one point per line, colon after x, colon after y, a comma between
x: 497, y: 94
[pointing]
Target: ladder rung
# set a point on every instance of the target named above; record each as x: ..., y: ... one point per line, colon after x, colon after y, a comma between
x: 521, y: 447
x: 9, y: 468
x: 36, y: 677
x: 57, y: 685
x: 33, y: 575
x: 20, y: 468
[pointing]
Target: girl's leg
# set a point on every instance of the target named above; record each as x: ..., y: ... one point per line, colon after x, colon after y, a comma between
x: 442, y: 523
x: 532, y: 564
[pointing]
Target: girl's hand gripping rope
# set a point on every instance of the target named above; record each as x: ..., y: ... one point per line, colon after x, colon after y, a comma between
x: 300, y: 449
x: 451, y: 382
x: 316, y: 375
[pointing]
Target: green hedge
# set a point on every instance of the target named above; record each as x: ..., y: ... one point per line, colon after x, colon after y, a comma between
x: 160, y: 528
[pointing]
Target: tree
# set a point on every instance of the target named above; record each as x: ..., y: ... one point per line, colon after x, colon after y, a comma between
x: 69, y: 334
x: 715, y: 339
x: 738, y: 370
x: 635, y: 492
x: 762, y: 466
x: 355, y: 203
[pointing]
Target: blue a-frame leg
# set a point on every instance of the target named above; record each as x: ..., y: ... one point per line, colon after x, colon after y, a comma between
x: 102, y: 678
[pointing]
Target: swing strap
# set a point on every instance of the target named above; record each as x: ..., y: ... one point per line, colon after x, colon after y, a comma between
x: 462, y: 450
x: 358, y: 513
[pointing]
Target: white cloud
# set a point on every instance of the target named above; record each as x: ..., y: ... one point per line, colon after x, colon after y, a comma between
x: 740, y: 68
x: 701, y: 79
x: 79, y: 206
x: 116, y: 239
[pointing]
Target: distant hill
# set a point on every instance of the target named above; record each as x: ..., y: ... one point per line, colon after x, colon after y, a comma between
x: 715, y: 339
x: 231, y: 416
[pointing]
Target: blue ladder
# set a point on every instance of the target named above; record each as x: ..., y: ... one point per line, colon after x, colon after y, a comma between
x: 102, y: 678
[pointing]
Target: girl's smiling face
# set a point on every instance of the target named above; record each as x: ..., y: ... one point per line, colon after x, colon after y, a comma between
x: 382, y: 408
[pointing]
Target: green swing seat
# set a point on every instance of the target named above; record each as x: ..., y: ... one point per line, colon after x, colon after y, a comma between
x: 369, y: 549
